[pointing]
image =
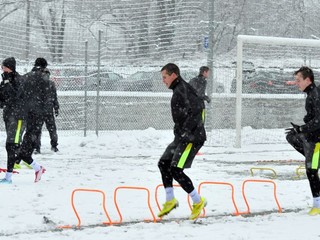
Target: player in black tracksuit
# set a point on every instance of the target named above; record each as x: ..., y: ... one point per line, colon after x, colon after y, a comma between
x: 36, y: 85
x: 199, y: 83
x: 50, y: 111
x: 187, y: 110
x: 306, y: 138
x: 11, y: 99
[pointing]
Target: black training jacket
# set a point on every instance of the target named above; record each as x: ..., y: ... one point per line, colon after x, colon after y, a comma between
x: 11, y: 97
x: 187, y: 112
x: 311, y: 128
x: 36, y: 90
x: 199, y: 83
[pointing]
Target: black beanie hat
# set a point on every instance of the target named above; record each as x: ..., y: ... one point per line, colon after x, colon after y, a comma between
x: 10, y: 63
x: 41, y: 62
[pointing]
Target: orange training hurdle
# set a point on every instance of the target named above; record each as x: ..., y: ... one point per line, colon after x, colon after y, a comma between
x: 232, y: 194
x: 75, y: 211
x: 132, y: 188
x: 260, y: 181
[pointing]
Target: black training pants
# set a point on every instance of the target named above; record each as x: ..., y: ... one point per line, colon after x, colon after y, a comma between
x: 14, y: 130
x: 50, y: 122
x: 311, y: 151
x: 177, y: 156
x: 33, y: 129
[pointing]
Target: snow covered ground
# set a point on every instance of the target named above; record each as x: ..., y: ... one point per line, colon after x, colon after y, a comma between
x: 129, y: 158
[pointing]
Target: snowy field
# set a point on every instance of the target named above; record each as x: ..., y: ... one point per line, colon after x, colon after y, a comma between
x: 129, y: 158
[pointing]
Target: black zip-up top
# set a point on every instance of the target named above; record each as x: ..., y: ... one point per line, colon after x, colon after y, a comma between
x: 199, y: 83
x: 36, y: 90
x: 187, y: 112
x: 11, y: 96
x: 311, y: 128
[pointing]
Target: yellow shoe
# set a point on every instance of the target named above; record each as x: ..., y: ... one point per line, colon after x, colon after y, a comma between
x: 168, y: 207
x: 314, y: 211
x: 17, y: 166
x: 197, y: 208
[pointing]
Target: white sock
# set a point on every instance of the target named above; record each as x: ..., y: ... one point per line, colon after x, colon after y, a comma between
x: 9, y: 176
x: 35, y: 166
x: 316, y: 202
x: 169, y: 193
x: 195, y: 196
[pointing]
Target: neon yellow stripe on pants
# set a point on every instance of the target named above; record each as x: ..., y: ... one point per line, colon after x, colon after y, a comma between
x: 203, y: 115
x: 184, y: 156
x: 17, y: 137
x: 315, y: 157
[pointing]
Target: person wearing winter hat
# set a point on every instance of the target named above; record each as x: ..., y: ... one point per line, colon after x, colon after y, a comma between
x: 41, y: 62
x: 12, y: 102
x: 50, y: 111
x: 9, y: 63
x: 35, y: 91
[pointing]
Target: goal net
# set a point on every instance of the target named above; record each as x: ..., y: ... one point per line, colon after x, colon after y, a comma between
x: 267, y: 99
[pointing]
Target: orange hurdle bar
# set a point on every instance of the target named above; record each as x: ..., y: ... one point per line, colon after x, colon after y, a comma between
x: 232, y: 195
x: 260, y: 181
x: 132, y: 188
x: 75, y: 211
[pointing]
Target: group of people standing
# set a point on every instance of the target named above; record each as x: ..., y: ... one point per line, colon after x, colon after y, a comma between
x: 25, y: 100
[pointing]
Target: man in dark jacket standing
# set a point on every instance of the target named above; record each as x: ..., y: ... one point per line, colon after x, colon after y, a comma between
x: 11, y: 99
x: 36, y: 86
x: 199, y: 83
x: 306, y: 138
x: 189, y: 136
x: 50, y: 111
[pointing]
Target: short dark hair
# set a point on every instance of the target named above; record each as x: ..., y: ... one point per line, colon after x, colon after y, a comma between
x: 203, y: 69
x: 306, y: 72
x: 171, y: 68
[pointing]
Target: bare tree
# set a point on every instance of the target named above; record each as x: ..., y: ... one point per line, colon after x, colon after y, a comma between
x: 52, y: 19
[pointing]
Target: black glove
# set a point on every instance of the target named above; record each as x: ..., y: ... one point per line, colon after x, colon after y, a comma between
x: 56, y: 112
x: 5, y: 77
x: 296, y: 128
x: 289, y: 130
x: 8, y: 76
x: 206, y: 98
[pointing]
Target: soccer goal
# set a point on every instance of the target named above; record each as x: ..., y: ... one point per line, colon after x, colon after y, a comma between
x: 267, y: 99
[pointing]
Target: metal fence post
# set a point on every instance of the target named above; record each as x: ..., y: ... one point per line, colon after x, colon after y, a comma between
x: 85, y: 89
x: 211, y: 84
x: 98, y: 84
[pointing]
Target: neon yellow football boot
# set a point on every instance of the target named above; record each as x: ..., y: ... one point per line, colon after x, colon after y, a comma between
x: 314, y: 211
x: 168, y: 207
x: 197, y: 208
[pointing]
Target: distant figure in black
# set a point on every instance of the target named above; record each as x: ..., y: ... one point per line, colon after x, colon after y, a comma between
x: 199, y: 83
x: 50, y: 111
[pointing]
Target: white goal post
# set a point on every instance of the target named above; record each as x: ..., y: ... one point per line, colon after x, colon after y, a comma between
x: 284, y: 53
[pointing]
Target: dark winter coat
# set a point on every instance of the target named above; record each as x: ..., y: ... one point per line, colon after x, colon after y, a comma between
x: 187, y: 112
x: 199, y: 83
x: 36, y: 90
x: 52, y: 103
x: 11, y: 96
x: 311, y: 128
